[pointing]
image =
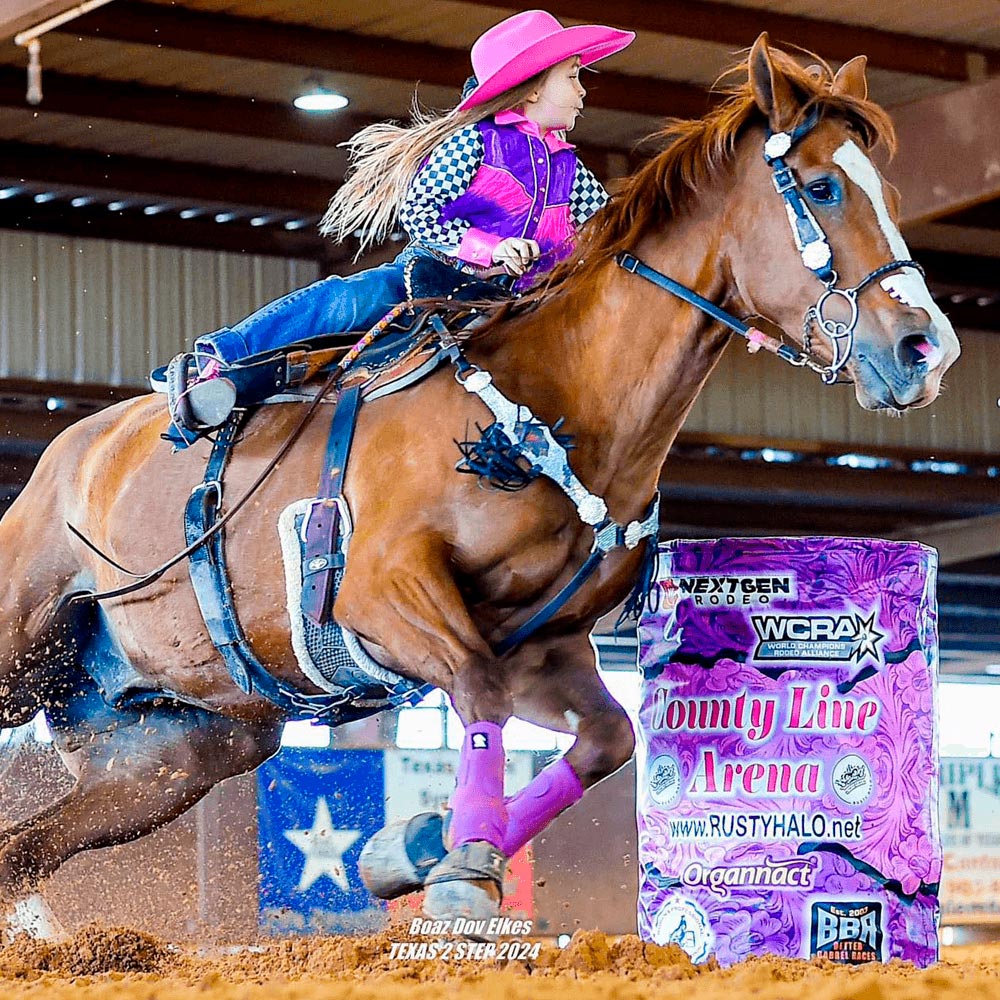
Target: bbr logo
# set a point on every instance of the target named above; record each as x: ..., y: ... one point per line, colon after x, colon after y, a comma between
x: 847, y: 932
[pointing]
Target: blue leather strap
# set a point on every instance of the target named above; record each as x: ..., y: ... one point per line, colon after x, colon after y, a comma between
x: 548, y: 610
x: 608, y: 537
x: 213, y: 590
x: 629, y: 262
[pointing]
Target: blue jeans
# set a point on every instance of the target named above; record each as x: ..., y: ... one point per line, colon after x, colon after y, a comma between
x: 332, y: 305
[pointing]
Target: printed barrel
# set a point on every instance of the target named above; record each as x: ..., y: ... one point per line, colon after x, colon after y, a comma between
x: 787, y: 778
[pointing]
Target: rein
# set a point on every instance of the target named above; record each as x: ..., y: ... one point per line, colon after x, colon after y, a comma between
x: 816, y: 255
x: 756, y: 339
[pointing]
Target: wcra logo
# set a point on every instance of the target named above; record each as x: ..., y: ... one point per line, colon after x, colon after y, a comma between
x: 836, y: 638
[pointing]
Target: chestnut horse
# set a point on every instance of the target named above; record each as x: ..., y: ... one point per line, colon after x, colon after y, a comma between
x: 440, y: 570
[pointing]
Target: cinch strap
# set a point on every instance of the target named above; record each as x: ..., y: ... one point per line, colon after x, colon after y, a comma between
x: 321, y: 527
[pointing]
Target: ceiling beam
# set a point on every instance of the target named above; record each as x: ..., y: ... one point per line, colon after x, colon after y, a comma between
x: 947, y: 158
x: 728, y: 518
x: 172, y: 108
x: 194, y: 183
x: 972, y: 240
x: 738, y: 26
x: 692, y: 480
x: 19, y: 15
x: 343, y: 52
x: 165, y: 230
x: 90, y: 97
x: 960, y: 541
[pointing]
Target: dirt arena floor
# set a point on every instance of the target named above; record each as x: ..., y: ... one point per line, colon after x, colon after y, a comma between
x: 107, y: 964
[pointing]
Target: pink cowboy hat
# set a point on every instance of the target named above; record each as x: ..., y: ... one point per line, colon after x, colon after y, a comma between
x: 530, y: 42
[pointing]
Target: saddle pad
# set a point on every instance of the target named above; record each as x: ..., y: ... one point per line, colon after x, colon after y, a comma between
x: 330, y: 656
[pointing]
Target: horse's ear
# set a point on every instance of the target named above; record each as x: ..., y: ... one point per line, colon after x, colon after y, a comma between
x: 850, y: 80
x: 770, y: 87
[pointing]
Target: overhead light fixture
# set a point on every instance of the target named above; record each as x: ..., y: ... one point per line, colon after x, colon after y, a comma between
x: 296, y: 224
x: 259, y: 220
x: 117, y: 206
x: 8, y: 192
x: 319, y: 98
x: 224, y: 216
x: 42, y: 197
x: 154, y: 209
x: 189, y: 213
x: 81, y: 201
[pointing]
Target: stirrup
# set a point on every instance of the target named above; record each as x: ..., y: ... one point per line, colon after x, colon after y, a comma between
x: 197, y: 405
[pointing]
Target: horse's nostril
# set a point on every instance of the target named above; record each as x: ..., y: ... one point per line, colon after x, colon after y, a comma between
x: 915, y: 349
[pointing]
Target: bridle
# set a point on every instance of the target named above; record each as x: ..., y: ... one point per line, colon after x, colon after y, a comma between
x: 817, y: 257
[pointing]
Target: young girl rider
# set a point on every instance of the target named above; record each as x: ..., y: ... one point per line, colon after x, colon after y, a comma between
x: 492, y: 185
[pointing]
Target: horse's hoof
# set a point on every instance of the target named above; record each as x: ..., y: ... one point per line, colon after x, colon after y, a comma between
x: 31, y: 915
x: 397, y: 859
x: 467, y: 883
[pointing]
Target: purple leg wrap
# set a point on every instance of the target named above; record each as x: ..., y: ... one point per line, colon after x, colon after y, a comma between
x: 535, y: 806
x: 478, y: 811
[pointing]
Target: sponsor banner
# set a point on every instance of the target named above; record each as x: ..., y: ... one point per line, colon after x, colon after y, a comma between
x: 970, y: 831
x: 422, y: 781
x: 787, y: 778
x: 315, y: 810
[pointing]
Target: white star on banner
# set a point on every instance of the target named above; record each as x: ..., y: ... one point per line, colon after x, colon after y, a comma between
x: 324, y: 848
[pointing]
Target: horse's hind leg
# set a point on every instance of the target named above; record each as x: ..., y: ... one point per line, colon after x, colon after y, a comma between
x: 130, y: 781
x: 36, y: 571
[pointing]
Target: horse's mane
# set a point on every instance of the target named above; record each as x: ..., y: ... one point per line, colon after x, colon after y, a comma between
x: 696, y: 151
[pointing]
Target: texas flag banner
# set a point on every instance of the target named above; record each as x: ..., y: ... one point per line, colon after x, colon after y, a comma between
x: 316, y: 809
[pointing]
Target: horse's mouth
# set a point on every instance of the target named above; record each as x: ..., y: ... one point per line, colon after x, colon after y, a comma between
x: 873, y: 389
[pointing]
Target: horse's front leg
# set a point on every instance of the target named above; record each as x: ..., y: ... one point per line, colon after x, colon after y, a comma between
x: 414, y: 611
x: 557, y: 686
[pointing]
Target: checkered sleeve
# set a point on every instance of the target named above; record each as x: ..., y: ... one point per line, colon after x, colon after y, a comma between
x: 444, y: 176
x: 587, y: 196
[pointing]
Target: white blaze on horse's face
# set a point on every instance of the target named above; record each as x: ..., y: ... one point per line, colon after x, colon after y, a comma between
x: 906, y: 286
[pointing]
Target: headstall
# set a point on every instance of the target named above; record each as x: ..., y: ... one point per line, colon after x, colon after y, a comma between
x: 816, y: 255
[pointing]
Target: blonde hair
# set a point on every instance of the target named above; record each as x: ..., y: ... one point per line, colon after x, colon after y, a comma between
x: 384, y: 158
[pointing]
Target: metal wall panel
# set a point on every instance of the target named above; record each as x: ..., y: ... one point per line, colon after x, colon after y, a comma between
x: 761, y: 396
x: 85, y: 310
x: 82, y: 310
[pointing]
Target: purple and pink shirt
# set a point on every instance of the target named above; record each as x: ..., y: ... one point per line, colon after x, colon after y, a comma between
x: 497, y: 179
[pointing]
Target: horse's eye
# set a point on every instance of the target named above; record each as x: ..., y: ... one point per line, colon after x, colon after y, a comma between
x: 823, y: 191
